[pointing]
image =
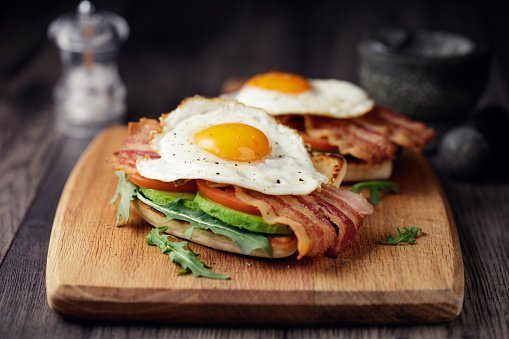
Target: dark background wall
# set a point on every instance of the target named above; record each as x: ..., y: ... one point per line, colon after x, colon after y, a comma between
x: 180, y: 48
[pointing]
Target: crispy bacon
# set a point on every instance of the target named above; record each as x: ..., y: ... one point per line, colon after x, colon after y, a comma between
x: 351, y: 138
x: 136, y: 145
x: 373, y: 137
x: 344, y: 209
x: 324, y: 222
x: 398, y: 128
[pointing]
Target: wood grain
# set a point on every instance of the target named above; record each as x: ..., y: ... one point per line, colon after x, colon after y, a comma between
x: 95, y: 270
x: 25, y: 160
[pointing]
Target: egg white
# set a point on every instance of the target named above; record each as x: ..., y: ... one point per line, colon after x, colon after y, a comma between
x: 332, y: 98
x: 286, y: 170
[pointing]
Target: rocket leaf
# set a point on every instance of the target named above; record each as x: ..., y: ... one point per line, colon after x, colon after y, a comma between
x: 375, y: 188
x: 180, y: 253
x: 405, y: 236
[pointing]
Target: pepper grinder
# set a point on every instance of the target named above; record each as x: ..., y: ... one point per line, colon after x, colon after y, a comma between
x: 89, y: 94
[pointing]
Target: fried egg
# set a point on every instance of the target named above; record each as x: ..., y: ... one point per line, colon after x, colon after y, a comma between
x: 285, y: 93
x: 224, y: 141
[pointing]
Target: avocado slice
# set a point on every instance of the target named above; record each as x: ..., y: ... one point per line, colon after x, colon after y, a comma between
x: 163, y: 197
x: 243, y: 220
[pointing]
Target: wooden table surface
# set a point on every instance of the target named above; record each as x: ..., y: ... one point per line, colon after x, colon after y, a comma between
x: 184, y: 49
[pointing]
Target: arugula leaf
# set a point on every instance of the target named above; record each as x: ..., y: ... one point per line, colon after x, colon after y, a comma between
x: 126, y: 190
x: 405, y: 236
x: 375, y: 188
x: 179, y: 210
x: 180, y: 253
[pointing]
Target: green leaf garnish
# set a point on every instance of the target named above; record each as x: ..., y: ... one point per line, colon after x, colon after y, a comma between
x: 180, y: 253
x: 126, y: 190
x: 405, y: 236
x: 375, y: 188
x: 182, y: 210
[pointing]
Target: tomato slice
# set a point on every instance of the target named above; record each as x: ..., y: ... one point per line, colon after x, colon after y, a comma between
x: 137, y: 179
x: 319, y: 144
x: 225, y: 196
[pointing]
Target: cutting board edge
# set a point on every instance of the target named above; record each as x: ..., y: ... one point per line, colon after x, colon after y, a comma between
x: 458, y: 288
x: 68, y: 301
x: 52, y: 278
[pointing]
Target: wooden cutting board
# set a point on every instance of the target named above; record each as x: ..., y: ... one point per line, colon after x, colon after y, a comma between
x: 97, y: 270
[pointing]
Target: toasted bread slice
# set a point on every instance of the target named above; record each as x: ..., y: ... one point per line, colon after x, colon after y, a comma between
x: 333, y: 166
x: 282, y: 245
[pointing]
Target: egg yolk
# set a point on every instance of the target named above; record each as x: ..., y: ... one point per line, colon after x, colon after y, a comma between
x: 234, y: 141
x: 281, y: 82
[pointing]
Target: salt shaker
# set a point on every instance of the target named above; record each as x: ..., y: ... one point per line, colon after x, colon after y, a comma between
x: 89, y: 94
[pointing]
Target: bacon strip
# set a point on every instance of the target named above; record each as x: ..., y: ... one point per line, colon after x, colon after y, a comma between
x: 344, y: 209
x: 136, y: 145
x: 373, y: 137
x: 400, y: 129
x: 351, y: 138
x: 324, y: 222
